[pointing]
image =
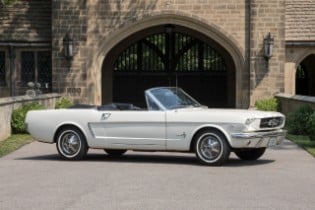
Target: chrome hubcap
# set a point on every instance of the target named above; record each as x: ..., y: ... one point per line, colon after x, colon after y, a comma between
x: 70, y: 144
x: 210, y: 147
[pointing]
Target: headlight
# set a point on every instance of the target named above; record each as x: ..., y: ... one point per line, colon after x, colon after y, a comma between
x: 249, y: 121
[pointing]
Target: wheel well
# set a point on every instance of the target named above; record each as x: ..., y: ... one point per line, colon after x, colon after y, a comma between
x: 64, y: 127
x: 192, y: 143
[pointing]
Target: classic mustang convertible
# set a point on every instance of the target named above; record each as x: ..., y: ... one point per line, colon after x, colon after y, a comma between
x: 172, y: 121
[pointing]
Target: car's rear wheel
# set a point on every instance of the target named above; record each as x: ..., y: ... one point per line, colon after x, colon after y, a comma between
x: 71, y: 143
x: 252, y: 154
x: 211, y: 147
x: 115, y: 152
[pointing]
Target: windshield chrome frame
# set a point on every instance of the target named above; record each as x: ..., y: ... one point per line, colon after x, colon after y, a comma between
x: 149, y: 95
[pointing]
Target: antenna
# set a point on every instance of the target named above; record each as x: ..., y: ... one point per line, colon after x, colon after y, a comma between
x: 176, y: 80
x: 176, y: 83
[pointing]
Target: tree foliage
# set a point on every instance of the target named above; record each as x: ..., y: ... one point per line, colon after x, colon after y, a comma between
x: 7, y: 2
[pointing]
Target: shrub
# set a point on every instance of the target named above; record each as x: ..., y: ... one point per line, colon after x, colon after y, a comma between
x: 298, y: 119
x: 311, y: 126
x: 8, y: 1
x: 18, y: 116
x: 63, y: 103
x: 271, y: 104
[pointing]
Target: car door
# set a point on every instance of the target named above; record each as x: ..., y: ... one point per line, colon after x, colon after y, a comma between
x: 179, y: 129
x: 132, y: 129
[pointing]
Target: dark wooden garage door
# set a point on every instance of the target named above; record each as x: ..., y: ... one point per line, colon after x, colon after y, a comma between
x: 170, y: 59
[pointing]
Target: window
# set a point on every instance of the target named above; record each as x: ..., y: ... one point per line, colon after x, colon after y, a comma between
x: 27, y: 68
x: 44, y: 68
x: 36, y: 67
x: 2, y: 68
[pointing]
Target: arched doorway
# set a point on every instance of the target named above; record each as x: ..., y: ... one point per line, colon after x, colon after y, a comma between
x: 170, y: 55
x: 305, y: 74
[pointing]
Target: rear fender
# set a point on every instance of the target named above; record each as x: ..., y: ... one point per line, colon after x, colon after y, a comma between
x: 70, y: 123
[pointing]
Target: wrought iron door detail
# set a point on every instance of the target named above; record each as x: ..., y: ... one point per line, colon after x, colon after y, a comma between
x: 173, y: 58
x: 170, y: 52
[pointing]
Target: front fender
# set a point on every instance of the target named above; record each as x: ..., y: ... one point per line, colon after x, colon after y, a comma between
x: 210, y: 126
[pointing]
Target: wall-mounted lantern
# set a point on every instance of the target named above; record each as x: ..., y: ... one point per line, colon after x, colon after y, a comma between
x: 268, y: 46
x: 68, y: 46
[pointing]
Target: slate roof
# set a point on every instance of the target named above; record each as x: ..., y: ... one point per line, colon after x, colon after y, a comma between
x: 300, y: 20
x: 26, y: 21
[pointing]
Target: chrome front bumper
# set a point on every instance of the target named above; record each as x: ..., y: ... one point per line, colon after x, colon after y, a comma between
x: 257, y: 139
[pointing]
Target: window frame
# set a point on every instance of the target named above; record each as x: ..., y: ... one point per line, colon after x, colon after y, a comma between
x: 23, y: 84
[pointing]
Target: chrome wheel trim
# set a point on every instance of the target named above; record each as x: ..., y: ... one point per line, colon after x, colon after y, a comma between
x: 69, y: 143
x: 209, y: 147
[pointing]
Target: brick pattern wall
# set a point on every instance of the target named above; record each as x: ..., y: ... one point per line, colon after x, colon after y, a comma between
x: 267, y: 77
x: 300, y: 20
x: 226, y: 14
x: 69, y: 77
x: 91, y: 23
x: 26, y: 21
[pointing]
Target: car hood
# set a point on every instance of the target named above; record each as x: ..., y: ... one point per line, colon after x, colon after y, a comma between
x: 228, y: 115
x: 248, y: 112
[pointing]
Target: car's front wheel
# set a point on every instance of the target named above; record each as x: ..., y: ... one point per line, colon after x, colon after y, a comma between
x: 211, y: 147
x: 71, y: 143
x: 251, y: 154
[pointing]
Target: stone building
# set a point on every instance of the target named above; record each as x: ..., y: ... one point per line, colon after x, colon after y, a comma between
x: 214, y: 49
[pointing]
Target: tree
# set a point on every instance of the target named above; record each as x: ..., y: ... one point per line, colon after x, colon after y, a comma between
x: 6, y: 2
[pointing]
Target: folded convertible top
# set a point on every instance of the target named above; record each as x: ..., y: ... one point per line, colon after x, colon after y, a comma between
x: 112, y: 106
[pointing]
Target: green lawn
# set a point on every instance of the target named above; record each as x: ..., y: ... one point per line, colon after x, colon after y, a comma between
x: 13, y: 143
x: 304, y: 142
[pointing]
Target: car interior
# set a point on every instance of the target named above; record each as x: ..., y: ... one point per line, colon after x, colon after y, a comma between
x: 111, y: 106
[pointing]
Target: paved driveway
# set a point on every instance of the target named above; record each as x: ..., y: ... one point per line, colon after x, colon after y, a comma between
x: 34, y: 177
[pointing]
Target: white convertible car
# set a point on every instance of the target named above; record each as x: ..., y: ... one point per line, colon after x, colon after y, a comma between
x: 172, y: 121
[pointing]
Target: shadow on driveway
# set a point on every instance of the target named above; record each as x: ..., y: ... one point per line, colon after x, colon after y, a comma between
x: 184, y: 159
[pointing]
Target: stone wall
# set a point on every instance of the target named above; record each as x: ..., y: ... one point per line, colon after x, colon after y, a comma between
x: 266, y: 77
x: 106, y: 17
x: 300, y: 37
x: 294, y: 56
x: 92, y: 24
x: 7, y: 105
x: 69, y: 77
x: 95, y: 26
x: 24, y: 25
x: 289, y: 102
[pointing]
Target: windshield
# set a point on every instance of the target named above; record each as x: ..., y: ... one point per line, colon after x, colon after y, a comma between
x: 169, y: 98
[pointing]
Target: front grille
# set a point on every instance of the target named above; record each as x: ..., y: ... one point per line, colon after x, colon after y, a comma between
x: 271, y: 122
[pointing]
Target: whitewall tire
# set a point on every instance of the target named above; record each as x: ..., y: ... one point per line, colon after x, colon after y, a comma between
x: 71, y: 143
x: 211, y: 147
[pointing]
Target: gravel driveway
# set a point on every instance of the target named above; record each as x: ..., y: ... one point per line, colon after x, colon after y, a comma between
x: 34, y: 177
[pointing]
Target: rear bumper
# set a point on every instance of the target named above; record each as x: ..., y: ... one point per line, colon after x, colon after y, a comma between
x: 257, y: 139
